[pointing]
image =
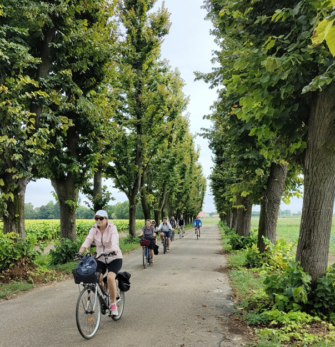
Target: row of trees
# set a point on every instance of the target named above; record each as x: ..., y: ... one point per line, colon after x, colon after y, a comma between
x: 84, y: 94
x: 52, y: 211
x: 274, y: 119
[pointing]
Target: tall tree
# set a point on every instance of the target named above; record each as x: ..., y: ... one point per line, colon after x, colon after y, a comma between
x: 83, y: 60
x: 285, y: 88
x: 142, y: 86
x: 27, y: 31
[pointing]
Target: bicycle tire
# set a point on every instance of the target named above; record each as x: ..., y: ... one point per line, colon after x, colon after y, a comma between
x: 86, y: 324
x: 120, y: 304
x: 197, y: 234
x: 164, y: 244
x: 145, y: 258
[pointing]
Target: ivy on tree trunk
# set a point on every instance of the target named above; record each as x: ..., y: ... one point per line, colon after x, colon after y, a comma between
x: 13, y: 220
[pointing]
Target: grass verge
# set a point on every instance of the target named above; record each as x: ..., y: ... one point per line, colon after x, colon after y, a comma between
x: 270, y: 327
x: 7, y: 290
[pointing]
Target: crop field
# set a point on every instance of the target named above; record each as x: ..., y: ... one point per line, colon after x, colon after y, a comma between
x: 47, y: 230
x: 289, y: 229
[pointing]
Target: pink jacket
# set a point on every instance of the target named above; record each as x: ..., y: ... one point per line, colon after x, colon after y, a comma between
x: 106, y: 242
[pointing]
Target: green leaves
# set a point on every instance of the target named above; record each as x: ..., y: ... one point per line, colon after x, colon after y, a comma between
x: 325, y: 31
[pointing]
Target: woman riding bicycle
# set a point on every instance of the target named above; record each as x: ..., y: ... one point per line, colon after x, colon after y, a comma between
x: 149, y: 232
x: 106, y: 238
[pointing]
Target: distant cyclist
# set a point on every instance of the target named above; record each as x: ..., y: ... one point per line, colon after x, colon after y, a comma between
x: 165, y: 228
x: 106, y: 239
x: 153, y: 223
x: 181, y: 224
x: 197, y: 223
x: 173, y: 223
x: 149, y: 232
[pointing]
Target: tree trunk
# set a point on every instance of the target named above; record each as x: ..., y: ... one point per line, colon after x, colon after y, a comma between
x: 132, y: 217
x: 229, y: 218
x: 157, y: 217
x: 243, y: 216
x: 43, y: 70
x: 234, y: 220
x: 319, y: 186
x: 15, y: 208
x: 170, y: 211
x: 270, y: 204
x: 144, y: 201
x: 97, y: 191
x: 68, y: 197
x: 163, y: 210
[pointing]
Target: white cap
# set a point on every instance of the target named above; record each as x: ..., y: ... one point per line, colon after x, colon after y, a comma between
x: 101, y: 213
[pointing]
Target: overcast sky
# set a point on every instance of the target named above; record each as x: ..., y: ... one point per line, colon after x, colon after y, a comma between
x: 189, y: 48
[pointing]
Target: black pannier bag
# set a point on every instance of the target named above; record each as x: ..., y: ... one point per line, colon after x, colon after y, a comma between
x: 85, y: 271
x: 123, y: 278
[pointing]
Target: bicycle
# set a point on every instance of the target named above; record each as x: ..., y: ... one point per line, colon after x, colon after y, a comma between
x: 146, y: 255
x: 197, y: 232
x: 92, y: 301
x: 165, y: 242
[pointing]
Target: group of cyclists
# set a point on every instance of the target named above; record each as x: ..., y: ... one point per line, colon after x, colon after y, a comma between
x: 105, y: 236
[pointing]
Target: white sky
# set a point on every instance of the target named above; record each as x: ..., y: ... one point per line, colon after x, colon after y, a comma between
x: 189, y: 48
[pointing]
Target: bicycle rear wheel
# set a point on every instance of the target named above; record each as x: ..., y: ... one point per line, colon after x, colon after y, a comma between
x: 88, y: 320
x: 197, y: 233
x: 145, y: 258
x: 120, y: 300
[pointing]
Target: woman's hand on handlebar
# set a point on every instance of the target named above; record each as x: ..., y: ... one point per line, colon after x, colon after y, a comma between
x: 78, y: 256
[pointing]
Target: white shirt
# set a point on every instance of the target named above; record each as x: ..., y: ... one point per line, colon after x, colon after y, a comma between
x: 165, y: 227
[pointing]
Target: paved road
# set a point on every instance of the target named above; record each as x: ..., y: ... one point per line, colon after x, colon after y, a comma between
x: 182, y: 300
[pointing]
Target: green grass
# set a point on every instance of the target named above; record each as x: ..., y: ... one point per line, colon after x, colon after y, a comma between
x: 13, y: 288
x: 236, y: 259
x: 289, y: 229
x: 244, y: 281
x: 65, y: 268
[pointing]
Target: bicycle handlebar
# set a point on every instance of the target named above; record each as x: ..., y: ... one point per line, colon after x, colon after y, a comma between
x: 79, y: 256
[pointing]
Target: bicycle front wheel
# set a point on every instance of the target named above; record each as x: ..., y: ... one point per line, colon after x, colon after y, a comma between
x: 88, y: 320
x: 145, y: 258
x: 197, y: 234
x: 120, y: 300
x: 164, y: 244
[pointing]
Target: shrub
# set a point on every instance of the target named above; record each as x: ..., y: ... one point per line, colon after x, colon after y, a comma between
x: 242, y: 242
x: 13, y: 248
x: 288, y: 289
x: 64, y: 250
x: 254, y: 258
x: 275, y: 257
x: 323, y: 297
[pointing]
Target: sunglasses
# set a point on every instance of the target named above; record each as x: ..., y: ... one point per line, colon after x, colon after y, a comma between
x: 99, y: 218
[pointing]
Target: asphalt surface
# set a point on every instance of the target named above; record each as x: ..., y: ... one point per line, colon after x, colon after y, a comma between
x: 181, y: 300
